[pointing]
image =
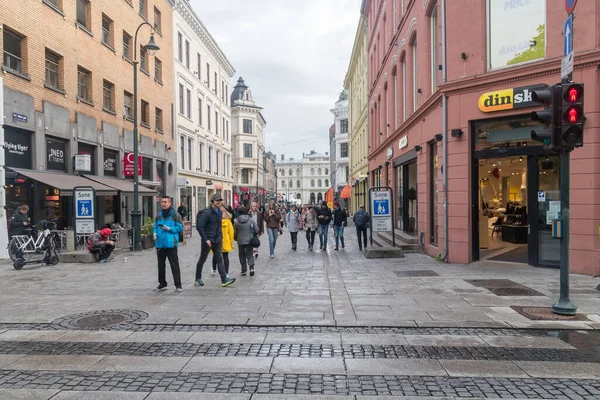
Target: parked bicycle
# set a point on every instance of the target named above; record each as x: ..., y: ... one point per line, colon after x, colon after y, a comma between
x: 22, y: 248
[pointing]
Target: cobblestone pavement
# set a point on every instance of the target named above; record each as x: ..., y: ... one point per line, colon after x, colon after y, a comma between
x: 309, y: 325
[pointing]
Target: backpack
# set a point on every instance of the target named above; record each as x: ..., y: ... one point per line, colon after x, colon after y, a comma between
x: 362, y: 219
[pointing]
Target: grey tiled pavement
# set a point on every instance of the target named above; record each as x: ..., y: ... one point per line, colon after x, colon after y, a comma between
x: 309, y: 325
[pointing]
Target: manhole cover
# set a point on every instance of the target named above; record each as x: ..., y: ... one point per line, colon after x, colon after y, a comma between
x: 546, y: 314
x: 489, y: 283
x: 101, y: 319
x: 514, y: 291
x: 416, y: 273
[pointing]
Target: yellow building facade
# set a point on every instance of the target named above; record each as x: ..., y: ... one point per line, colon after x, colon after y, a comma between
x: 356, y: 84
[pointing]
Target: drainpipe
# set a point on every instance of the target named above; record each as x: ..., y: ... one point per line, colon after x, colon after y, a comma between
x: 445, y: 135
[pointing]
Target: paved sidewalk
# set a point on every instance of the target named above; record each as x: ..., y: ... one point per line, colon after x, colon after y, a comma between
x: 309, y: 326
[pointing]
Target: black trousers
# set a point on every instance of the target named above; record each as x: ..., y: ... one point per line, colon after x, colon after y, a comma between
x: 105, y: 249
x: 171, y: 254
x: 362, y: 231
x: 310, y: 236
x: 225, y: 262
x: 217, y: 249
x: 246, y: 256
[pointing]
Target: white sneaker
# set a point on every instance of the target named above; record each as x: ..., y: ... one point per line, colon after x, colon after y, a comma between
x: 272, y: 256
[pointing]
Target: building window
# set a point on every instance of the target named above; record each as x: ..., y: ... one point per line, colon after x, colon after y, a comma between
x: 343, y: 126
x: 312, y: 171
x: 157, y: 70
x: 53, y: 64
x: 182, y: 151
x: 283, y: 184
x: 208, y: 116
x: 108, y: 96
x: 12, y: 51
x: 144, y: 9
x: 157, y: 20
x: 56, y: 4
x: 247, y: 150
x: 210, y: 156
x: 128, y: 105
x: 223, y: 126
x: 216, y: 87
x: 245, y: 176
x: 201, y: 157
x: 415, y: 82
x: 282, y: 172
x: 247, y: 126
x: 343, y: 150
x: 217, y: 123
x: 84, y: 80
x: 179, y: 47
x: 433, y: 210
x: 319, y: 171
x: 207, y: 75
x: 326, y: 182
x: 290, y: 172
x: 145, y: 114
x: 312, y: 183
x: 187, y: 54
x: 227, y: 130
x: 326, y: 171
x: 126, y: 46
x: 143, y: 59
x: 516, y: 34
x: 319, y: 183
x: 404, y: 89
x: 107, y: 31
x: 347, y: 174
x: 83, y: 17
x: 434, y: 49
x: 189, y: 151
x: 199, y: 111
x: 158, y: 120
x: 189, y: 103
x: 298, y: 184
x: 217, y: 159
x: 395, y: 73
x: 198, y: 73
x: 181, y: 104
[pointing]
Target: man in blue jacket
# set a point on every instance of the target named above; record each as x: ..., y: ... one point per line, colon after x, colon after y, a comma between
x: 208, y: 225
x: 167, y: 227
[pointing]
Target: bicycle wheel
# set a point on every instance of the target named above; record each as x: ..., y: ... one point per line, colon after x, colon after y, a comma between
x: 14, y: 252
x: 55, y: 242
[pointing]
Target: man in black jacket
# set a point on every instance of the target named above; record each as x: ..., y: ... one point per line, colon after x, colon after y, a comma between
x: 340, y: 219
x: 208, y: 225
x: 19, y: 221
x: 324, y: 218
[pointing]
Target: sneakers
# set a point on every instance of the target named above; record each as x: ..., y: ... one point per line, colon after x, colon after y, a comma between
x: 251, y: 271
x: 256, y: 255
x: 228, y: 282
x: 336, y: 248
x: 179, y: 290
x: 160, y: 288
x: 214, y: 271
x: 294, y: 248
x: 198, y: 282
x: 272, y: 255
x: 244, y: 273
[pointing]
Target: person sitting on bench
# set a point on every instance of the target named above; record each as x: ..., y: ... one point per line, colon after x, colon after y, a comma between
x: 100, y: 243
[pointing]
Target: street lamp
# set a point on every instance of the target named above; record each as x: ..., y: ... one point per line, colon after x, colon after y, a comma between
x: 136, y: 214
x: 258, y: 147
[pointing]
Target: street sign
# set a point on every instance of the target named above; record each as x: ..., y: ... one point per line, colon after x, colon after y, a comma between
x: 566, y: 66
x: 568, y: 36
x: 570, y: 5
x: 84, y: 203
x: 382, y: 224
x: 84, y: 226
x: 381, y: 201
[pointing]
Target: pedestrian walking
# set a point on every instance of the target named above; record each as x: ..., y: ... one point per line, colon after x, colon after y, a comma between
x: 167, y: 227
x: 272, y: 218
x: 257, y: 216
x: 245, y: 228
x: 182, y: 210
x: 209, y: 227
x: 340, y: 220
x: 228, y: 234
x: 100, y: 242
x: 323, y: 218
x: 293, y: 223
x: 361, y: 221
x: 310, y: 225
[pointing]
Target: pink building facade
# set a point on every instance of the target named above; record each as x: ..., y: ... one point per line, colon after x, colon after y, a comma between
x: 503, y: 189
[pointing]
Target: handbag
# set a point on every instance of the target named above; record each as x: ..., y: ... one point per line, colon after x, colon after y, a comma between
x: 254, y: 240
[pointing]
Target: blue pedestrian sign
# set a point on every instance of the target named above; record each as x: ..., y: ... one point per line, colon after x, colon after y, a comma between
x: 84, y: 203
x: 381, y: 208
x: 568, y: 36
x: 84, y: 208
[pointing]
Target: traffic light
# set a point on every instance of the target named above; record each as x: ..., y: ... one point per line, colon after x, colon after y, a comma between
x: 572, y: 115
x: 549, y: 116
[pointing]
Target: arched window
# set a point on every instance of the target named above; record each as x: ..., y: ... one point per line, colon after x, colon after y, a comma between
x: 297, y: 171
x: 290, y: 171
x: 282, y: 184
x: 312, y: 198
x: 312, y: 171
x: 312, y: 183
x: 298, y: 197
x: 326, y: 182
x: 319, y: 196
x: 326, y: 171
x: 319, y: 183
x: 319, y: 171
x: 282, y: 172
x: 291, y: 183
x: 298, y: 183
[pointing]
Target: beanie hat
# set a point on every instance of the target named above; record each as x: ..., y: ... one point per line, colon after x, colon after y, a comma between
x: 105, y: 232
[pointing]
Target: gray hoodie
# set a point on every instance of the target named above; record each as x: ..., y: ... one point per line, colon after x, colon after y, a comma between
x: 243, y: 229
x: 293, y: 221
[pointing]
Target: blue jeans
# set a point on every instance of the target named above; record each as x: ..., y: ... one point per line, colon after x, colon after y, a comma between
x: 323, y: 230
x: 294, y: 236
x: 273, y: 232
x: 338, y: 232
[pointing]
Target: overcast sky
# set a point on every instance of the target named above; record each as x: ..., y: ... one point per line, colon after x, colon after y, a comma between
x: 293, y: 55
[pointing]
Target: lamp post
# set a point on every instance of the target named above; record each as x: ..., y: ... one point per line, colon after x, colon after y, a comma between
x: 136, y: 214
x: 258, y: 147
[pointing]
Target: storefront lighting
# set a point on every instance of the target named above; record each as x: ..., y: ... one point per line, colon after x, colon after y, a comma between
x: 520, y: 158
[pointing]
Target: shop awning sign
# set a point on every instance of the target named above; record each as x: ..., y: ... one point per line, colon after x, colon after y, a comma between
x: 508, y: 99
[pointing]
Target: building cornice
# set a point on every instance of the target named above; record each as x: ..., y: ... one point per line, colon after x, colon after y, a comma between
x: 184, y: 8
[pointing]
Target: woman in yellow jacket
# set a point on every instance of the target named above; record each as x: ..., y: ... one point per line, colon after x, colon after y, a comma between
x: 228, y: 232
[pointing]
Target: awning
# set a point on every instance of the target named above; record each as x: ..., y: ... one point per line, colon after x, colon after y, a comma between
x: 122, y: 185
x: 346, y: 192
x: 65, y: 182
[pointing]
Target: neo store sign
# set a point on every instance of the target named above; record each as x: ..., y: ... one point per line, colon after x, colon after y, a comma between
x: 56, y: 155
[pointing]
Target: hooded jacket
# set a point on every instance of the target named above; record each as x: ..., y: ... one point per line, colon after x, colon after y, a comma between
x: 208, y: 225
x: 310, y: 221
x: 339, y: 217
x: 293, y: 221
x: 228, y: 234
x: 99, y: 238
x: 167, y: 239
x: 243, y: 229
x: 16, y: 223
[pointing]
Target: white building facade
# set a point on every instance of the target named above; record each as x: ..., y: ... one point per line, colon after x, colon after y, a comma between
x: 202, y: 112
x: 303, y: 181
x: 338, y: 145
x: 251, y: 181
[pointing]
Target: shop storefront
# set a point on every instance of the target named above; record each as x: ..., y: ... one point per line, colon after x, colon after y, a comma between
x: 18, y: 153
x: 406, y: 188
